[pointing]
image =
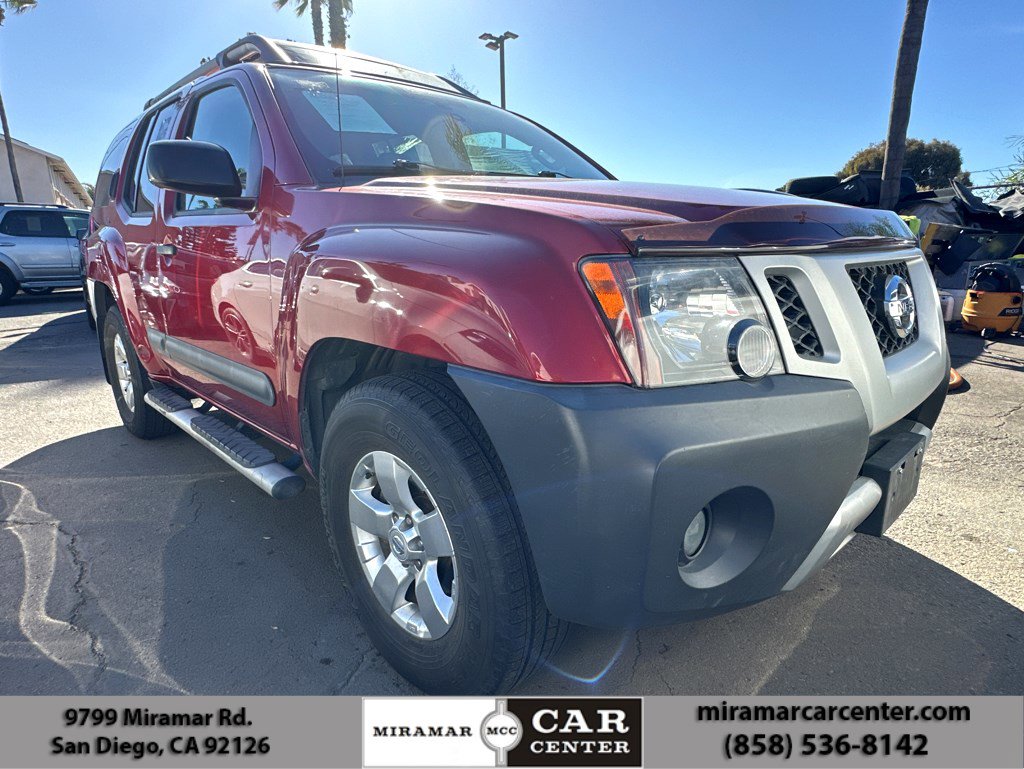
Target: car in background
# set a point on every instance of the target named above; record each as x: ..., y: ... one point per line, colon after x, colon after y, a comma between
x: 39, y: 248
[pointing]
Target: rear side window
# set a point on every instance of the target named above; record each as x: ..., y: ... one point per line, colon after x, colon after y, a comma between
x: 138, y: 194
x: 106, y: 182
x: 222, y: 117
x: 146, y: 191
x: 131, y: 171
x: 35, y: 224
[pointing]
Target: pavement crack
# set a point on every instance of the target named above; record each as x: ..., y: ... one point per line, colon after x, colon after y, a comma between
x: 340, y: 688
x: 636, y: 656
x: 194, y: 502
x: 78, y: 587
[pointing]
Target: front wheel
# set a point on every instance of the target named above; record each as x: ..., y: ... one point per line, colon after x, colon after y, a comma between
x: 424, y: 527
x: 129, y: 381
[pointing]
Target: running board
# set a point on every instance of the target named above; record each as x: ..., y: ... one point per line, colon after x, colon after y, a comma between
x: 241, y: 452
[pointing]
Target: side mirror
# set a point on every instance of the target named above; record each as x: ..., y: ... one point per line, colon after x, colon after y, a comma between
x: 82, y: 233
x: 193, y: 167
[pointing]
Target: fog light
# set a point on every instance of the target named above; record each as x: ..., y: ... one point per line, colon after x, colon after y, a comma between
x: 751, y: 349
x: 693, y: 538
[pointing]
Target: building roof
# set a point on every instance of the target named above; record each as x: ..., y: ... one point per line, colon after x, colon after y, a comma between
x: 60, y: 167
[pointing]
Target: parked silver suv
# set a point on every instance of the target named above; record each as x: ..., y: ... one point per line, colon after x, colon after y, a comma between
x: 39, y: 248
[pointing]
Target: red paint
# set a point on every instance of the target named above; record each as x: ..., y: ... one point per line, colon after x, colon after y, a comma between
x: 479, y: 272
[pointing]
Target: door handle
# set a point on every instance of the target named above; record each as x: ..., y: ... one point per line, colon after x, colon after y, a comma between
x: 8, y: 245
x: 167, y: 249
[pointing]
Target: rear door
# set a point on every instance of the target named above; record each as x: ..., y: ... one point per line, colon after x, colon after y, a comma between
x: 218, y: 327
x: 138, y: 227
x: 39, y: 242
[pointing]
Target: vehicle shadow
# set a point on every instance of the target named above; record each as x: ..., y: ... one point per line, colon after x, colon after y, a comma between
x: 22, y: 305
x: 135, y: 567
x: 967, y: 347
x: 63, y: 349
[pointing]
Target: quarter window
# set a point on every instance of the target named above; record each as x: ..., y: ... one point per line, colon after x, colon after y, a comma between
x: 222, y: 117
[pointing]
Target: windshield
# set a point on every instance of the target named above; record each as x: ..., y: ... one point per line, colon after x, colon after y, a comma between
x: 394, y: 129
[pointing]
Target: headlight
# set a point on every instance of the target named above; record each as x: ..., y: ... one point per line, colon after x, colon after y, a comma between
x: 684, y: 320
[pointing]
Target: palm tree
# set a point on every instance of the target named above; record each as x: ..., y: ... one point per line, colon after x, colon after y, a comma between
x: 18, y: 6
x: 902, y: 93
x: 338, y: 12
x: 315, y: 11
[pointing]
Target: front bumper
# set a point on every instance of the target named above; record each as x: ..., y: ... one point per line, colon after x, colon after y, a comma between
x: 607, y: 477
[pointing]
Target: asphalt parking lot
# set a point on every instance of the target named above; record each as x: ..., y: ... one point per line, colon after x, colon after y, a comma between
x: 131, y: 567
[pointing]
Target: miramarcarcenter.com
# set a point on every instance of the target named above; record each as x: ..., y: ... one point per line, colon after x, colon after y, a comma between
x: 883, y: 711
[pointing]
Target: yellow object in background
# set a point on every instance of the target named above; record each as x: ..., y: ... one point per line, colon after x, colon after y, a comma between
x: 914, y: 224
x: 999, y: 311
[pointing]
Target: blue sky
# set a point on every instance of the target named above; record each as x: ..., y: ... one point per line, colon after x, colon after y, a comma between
x: 722, y: 93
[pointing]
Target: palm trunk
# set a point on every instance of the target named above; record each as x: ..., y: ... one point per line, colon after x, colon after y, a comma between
x: 318, y: 21
x: 902, y: 94
x: 336, y: 23
x: 10, y: 153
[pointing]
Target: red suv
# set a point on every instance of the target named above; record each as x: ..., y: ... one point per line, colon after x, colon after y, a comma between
x: 531, y: 394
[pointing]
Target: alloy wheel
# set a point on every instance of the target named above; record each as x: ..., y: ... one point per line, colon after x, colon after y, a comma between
x: 124, y: 373
x: 403, y: 545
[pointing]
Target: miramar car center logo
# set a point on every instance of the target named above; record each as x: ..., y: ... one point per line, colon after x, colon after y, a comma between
x: 478, y: 732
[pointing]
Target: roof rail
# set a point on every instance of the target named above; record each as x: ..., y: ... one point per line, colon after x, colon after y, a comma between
x: 249, y: 48
x: 33, y: 205
x: 268, y: 51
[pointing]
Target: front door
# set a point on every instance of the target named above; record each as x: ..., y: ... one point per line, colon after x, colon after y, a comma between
x: 213, y: 258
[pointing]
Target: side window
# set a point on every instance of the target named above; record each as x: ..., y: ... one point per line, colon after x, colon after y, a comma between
x: 34, y: 224
x: 222, y: 117
x: 106, y: 182
x: 146, y: 191
x: 75, y: 222
x: 131, y: 171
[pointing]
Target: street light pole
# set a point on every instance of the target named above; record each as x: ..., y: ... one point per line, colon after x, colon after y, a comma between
x: 501, y: 70
x: 497, y: 43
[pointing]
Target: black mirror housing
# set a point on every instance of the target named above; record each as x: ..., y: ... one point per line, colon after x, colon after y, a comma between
x: 82, y: 233
x: 193, y: 167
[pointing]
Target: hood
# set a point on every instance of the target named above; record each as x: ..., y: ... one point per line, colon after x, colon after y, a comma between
x: 669, y: 217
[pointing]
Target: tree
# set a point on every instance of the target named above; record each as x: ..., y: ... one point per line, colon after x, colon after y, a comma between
x: 338, y: 13
x: 18, y: 6
x: 932, y: 164
x: 456, y: 77
x: 315, y: 8
x: 1013, y: 174
x: 902, y: 94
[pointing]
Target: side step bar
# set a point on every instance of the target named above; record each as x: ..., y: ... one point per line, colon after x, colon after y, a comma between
x: 241, y: 452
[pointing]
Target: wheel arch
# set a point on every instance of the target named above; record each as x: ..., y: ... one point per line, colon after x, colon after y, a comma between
x: 333, y: 366
x: 104, y: 300
x: 8, y: 263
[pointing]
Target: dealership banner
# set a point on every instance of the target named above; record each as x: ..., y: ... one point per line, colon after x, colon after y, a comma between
x: 396, y: 732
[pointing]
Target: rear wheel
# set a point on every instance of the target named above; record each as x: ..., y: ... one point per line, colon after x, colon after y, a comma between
x: 8, y: 286
x: 129, y: 381
x: 424, y: 527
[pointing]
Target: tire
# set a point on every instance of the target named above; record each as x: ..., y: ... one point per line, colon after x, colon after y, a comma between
x: 8, y: 286
x: 499, y: 628
x: 141, y: 420
x: 38, y: 291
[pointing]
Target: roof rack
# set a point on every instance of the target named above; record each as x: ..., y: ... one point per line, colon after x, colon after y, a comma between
x: 268, y: 51
x: 33, y: 205
x: 249, y: 48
